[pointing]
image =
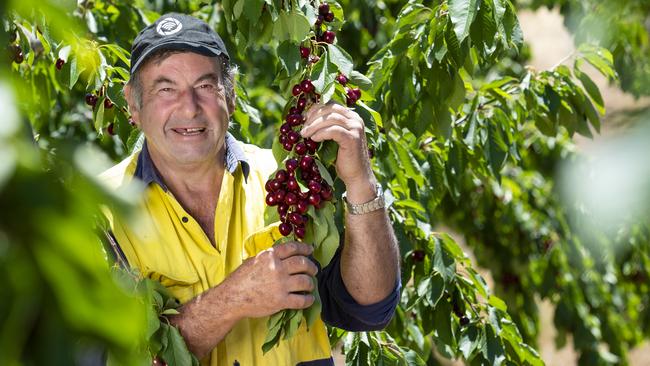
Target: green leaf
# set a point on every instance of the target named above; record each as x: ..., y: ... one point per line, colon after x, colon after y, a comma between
x: 443, y: 262
x: 291, y: 326
x: 292, y: 26
x: 176, y: 352
x: 340, y: 58
x: 324, y: 173
x: 314, y: 311
x: 360, y: 80
x: 591, y: 89
x: 327, y: 152
x: 469, y: 341
x: 99, y: 117
x: 289, y: 56
x: 462, y: 14
x: 75, y: 71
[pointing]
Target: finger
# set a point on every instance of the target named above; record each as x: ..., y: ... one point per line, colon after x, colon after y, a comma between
x: 292, y: 248
x: 331, y: 110
x: 300, y: 283
x: 301, y: 264
x: 296, y: 301
x: 327, y: 120
x: 342, y: 136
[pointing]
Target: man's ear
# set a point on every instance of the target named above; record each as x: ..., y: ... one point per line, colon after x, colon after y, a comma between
x: 133, y: 107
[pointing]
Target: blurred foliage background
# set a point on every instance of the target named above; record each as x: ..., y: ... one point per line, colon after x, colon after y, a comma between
x: 467, y: 137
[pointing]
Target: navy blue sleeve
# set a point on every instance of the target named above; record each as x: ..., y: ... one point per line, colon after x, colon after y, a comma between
x: 342, y: 311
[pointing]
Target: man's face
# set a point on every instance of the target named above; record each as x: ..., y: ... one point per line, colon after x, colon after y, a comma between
x: 184, y: 112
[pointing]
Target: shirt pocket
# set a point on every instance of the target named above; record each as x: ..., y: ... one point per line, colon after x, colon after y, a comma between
x: 261, y: 240
x: 182, y: 285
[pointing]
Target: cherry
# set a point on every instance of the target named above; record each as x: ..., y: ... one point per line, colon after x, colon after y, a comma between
x: 293, y: 136
x: 307, y: 86
x: 59, y: 64
x: 290, y: 199
x: 357, y: 93
x: 275, y: 185
x: 281, y: 175
x: 108, y: 104
x: 300, y: 232
x: 319, y: 20
x: 326, y: 193
x: 295, y: 218
x: 329, y: 17
x: 304, y: 52
x: 283, y: 139
x: 324, y: 9
x: 314, y: 199
x: 19, y: 58
x: 268, y: 186
x: 292, y: 184
x: 270, y: 199
x: 111, y: 129
x: 91, y: 99
x: 285, y: 128
x: 464, y: 321
x: 294, y: 110
x: 301, y: 148
x: 306, y: 162
x: 291, y: 164
x: 283, y: 209
x: 417, y: 255
x: 295, y: 119
x: 342, y: 79
x: 296, y: 90
x: 312, y: 145
x: 314, y: 186
x: 328, y: 36
x: 302, y: 206
x: 279, y: 195
x: 285, y: 228
x: 302, y: 103
x: 287, y: 145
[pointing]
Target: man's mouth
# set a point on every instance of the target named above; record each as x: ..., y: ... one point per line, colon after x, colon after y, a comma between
x: 189, y: 131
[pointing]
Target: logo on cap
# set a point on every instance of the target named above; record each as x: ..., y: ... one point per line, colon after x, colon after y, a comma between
x: 169, y: 26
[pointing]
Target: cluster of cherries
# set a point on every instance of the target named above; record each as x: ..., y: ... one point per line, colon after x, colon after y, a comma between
x: 15, y: 51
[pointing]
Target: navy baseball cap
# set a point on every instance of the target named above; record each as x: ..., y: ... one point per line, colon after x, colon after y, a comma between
x: 176, y: 31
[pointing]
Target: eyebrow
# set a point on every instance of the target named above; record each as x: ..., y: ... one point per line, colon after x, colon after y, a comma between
x: 162, y: 79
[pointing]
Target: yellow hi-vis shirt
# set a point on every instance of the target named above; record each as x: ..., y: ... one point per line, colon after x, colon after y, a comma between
x: 166, y: 244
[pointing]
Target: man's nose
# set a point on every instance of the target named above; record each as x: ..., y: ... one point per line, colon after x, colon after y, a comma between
x: 189, y: 103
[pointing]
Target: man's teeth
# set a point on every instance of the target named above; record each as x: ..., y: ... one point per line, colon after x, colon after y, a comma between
x: 189, y: 131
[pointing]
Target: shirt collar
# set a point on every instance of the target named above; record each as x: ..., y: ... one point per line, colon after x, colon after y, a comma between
x: 146, y: 171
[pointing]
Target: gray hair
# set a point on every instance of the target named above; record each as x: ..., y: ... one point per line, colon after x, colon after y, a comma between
x: 228, y: 74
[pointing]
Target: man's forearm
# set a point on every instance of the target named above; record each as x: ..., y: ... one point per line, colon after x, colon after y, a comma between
x: 207, y: 319
x: 370, y: 257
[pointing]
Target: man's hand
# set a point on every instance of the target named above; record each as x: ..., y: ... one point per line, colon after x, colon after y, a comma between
x: 345, y: 127
x: 278, y: 278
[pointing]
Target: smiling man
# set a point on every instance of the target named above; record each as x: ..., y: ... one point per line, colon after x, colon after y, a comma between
x: 201, y: 227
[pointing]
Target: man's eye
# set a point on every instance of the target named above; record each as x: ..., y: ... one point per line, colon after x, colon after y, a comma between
x: 206, y: 86
x: 166, y: 90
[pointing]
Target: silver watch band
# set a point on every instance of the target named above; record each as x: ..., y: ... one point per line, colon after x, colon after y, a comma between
x: 376, y: 204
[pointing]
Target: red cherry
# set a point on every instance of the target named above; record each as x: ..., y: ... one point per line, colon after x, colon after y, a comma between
x: 282, y: 209
x: 312, y: 145
x: 302, y: 206
x: 294, y: 110
x: 270, y: 199
x: 301, y: 148
x: 417, y: 255
x: 357, y: 93
x: 285, y: 128
x: 59, y: 64
x: 304, y: 52
x: 291, y: 164
x: 283, y: 139
x: 307, y: 86
x: 319, y: 20
x: 281, y: 175
x: 293, y: 136
x: 306, y: 162
x: 91, y: 99
x: 296, y: 90
x: 290, y: 199
x: 302, y: 103
x: 326, y: 193
x: 111, y: 129
x: 342, y: 79
x: 350, y: 102
x: 292, y: 184
x: 324, y: 9
x: 295, y: 218
x: 314, y: 186
x: 287, y: 145
x: 285, y: 228
x: 300, y: 232
x: 279, y: 195
x: 108, y: 104
x: 329, y: 36
x: 328, y: 17
x: 268, y: 186
x: 275, y: 185
x: 314, y: 199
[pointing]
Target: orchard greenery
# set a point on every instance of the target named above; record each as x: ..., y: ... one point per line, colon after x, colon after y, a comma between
x: 463, y: 135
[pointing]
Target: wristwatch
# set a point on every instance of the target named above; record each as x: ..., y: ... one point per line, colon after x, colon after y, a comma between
x: 377, y: 203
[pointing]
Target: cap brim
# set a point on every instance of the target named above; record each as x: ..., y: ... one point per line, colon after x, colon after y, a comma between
x: 181, y: 46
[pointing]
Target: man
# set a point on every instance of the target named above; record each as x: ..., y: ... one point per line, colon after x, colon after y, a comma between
x: 203, y: 234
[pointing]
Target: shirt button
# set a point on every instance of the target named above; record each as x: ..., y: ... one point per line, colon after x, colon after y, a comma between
x: 185, y: 219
